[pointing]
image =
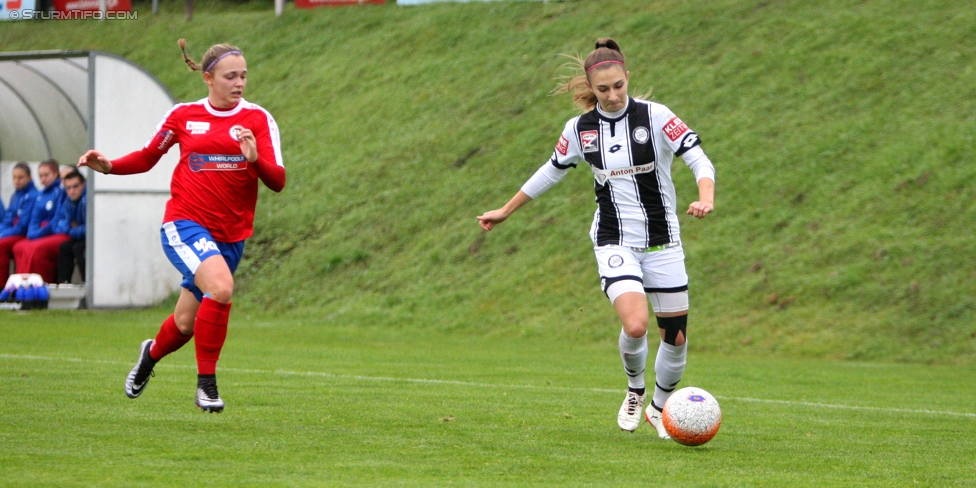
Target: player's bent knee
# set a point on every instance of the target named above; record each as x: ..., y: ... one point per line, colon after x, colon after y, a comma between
x: 675, y: 329
x: 222, y: 292
x: 216, y: 286
x: 634, y: 325
x: 184, y: 321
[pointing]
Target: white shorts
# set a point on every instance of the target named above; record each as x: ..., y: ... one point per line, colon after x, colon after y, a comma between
x: 658, y: 272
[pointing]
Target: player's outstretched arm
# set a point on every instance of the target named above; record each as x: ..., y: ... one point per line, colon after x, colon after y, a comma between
x: 96, y: 161
x: 706, y: 199
x: 133, y: 163
x: 489, y: 219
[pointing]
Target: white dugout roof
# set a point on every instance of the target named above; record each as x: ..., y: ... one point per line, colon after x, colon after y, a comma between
x: 58, y: 104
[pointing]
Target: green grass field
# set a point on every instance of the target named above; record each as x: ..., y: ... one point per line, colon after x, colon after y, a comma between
x: 379, y: 337
x: 317, y: 404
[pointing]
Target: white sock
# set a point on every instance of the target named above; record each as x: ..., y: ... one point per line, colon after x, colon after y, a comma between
x: 633, y: 352
x: 668, y: 367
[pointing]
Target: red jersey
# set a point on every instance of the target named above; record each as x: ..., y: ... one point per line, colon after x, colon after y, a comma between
x: 213, y: 184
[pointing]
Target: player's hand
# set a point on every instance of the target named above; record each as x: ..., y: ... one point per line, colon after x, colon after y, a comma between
x: 249, y: 145
x: 488, y: 220
x: 96, y: 161
x: 700, y: 209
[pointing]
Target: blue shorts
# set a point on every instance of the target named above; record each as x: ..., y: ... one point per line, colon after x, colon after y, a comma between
x: 186, y: 244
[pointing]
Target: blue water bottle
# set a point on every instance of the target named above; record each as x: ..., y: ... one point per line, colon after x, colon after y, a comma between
x: 43, y: 295
x: 30, y: 294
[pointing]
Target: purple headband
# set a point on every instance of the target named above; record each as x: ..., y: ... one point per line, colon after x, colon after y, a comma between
x: 222, y: 56
x: 612, y: 61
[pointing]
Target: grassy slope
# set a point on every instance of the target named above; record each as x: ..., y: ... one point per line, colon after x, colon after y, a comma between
x: 841, y: 132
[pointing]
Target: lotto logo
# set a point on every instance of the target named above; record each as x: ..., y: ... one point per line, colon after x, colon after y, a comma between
x: 675, y: 128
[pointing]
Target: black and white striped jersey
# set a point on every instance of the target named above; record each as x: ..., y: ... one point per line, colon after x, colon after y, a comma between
x: 630, y: 157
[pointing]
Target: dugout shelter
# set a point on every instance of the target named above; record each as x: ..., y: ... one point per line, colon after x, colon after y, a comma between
x: 58, y: 104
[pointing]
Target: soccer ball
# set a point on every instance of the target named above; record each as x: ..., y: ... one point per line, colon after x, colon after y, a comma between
x: 692, y: 416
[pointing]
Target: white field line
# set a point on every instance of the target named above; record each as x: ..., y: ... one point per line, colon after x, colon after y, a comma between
x: 473, y: 384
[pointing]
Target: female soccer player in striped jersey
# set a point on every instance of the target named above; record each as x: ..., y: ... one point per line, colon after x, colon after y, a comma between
x: 629, y: 144
x: 226, y: 145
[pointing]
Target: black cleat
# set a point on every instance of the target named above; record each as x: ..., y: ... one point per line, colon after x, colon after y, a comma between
x: 208, y: 399
x: 139, y: 376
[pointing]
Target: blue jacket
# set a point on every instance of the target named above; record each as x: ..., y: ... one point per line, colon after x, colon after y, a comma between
x: 72, y: 212
x: 17, y: 217
x: 46, y: 207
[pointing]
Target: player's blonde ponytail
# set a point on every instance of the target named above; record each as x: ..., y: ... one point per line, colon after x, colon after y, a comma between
x: 606, y: 54
x: 210, y: 59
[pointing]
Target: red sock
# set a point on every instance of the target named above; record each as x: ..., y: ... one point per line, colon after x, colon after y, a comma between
x: 210, y: 330
x: 169, y: 339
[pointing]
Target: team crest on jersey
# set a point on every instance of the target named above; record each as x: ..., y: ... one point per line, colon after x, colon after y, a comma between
x: 235, y: 132
x: 641, y: 135
x: 588, y: 139
x: 562, y: 146
x: 216, y: 162
x: 615, y: 261
x: 197, y: 127
x: 675, y: 128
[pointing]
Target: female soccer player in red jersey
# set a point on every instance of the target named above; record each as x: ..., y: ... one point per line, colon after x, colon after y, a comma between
x: 629, y: 145
x: 226, y: 145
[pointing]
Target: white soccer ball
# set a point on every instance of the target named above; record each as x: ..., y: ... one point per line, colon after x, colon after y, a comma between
x: 692, y: 416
